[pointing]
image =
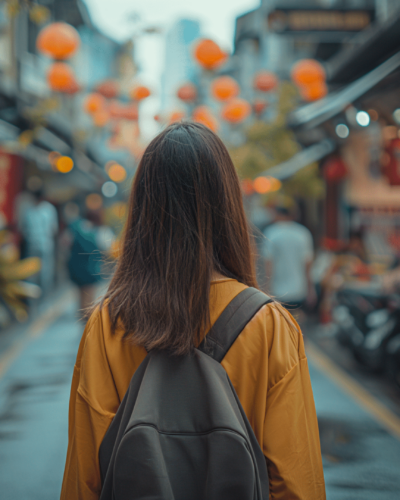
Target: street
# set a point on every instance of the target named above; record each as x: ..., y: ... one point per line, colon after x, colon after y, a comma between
x: 360, y: 451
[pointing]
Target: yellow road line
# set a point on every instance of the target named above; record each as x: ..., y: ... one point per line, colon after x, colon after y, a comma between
x: 381, y: 413
x: 36, y: 330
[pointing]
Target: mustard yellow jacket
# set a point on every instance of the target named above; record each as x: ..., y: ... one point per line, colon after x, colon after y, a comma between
x: 268, y: 368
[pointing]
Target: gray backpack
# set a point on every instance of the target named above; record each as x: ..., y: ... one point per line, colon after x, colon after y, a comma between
x: 180, y: 432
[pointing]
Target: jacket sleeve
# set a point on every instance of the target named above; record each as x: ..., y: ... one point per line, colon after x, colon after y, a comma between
x: 291, y: 437
x: 93, y: 404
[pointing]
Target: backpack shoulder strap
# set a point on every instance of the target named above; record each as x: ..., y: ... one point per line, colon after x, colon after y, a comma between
x: 231, y: 322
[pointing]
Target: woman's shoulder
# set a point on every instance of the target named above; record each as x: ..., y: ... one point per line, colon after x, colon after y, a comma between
x: 271, y: 338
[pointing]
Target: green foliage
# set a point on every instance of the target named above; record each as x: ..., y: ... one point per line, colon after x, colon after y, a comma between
x: 269, y: 144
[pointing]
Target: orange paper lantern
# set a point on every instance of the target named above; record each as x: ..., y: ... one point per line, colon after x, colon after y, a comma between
x: 107, y: 88
x: 236, y: 110
x: 139, y: 93
x: 60, y: 77
x: 73, y: 88
x: 130, y: 112
x: 259, y: 106
x: 307, y: 72
x: 187, y: 92
x: 101, y: 118
x: 93, y: 103
x: 262, y: 185
x: 314, y: 91
x: 58, y: 41
x: 224, y: 88
x: 176, y: 116
x: 202, y: 114
x: 265, y: 81
x: 208, y: 54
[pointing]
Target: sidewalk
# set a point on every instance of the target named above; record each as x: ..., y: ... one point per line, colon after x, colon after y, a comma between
x: 360, y: 451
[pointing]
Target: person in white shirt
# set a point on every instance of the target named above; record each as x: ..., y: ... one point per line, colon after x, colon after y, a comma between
x: 288, y: 253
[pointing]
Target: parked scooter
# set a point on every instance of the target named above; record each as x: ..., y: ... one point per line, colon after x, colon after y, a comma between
x: 367, y: 322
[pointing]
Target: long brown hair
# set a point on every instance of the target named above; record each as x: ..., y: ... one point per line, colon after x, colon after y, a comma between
x: 186, y: 220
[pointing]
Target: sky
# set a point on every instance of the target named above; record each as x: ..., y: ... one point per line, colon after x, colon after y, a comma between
x: 123, y: 19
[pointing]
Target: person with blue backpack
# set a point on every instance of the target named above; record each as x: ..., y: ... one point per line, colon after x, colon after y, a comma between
x: 190, y: 383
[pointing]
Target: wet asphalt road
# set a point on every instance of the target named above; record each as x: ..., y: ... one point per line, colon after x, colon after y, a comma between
x: 361, y: 458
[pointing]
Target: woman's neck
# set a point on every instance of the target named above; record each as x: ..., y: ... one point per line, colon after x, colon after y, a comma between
x: 217, y: 276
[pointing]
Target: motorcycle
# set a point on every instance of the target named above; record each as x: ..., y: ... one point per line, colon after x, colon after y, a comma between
x: 367, y: 321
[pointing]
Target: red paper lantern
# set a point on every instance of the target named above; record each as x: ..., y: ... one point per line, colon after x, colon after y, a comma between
x: 58, y: 41
x: 93, y: 103
x: 187, y: 92
x: 265, y: 81
x: 60, y: 77
x: 72, y: 89
x: 236, y: 110
x: 314, y: 91
x: 208, y: 54
x: 139, y: 93
x: 334, y: 169
x: 307, y: 72
x: 108, y: 89
x: 259, y: 106
x: 224, y: 88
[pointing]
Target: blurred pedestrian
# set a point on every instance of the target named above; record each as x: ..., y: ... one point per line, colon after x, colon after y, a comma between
x: 186, y: 254
x: 39, y: 227
x: 288, y: 253
x: 88, y: 239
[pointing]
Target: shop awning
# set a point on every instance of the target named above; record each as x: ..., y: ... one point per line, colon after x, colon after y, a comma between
x: 300, y: 160
x: 318, y: 112
x: 371, y: 48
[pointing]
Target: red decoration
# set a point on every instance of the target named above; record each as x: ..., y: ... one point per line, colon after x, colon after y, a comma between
x: 307, y: 72
x: 101, y: 118
x: 208, y: 54
x: 58, y: 41
x: 265, y: 81
x: 236, y: 110
x: 139, y: 93
x: 60, y: 77
x: 108, y: 89
x: 334, y: 169
x: 187, y: 93
x: 93, y: 103
x: 259, y: 106
x: 391, y: 167
x: 224, y: 88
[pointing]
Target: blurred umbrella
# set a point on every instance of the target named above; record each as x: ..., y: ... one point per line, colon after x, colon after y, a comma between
x: 187, y: 92
x: 265, y: 81
x: 107, y: 88
x: 93, y: 103
x: 307, y: 72
x: 58, y: 40
x: 60, y: 77
x: 209, y: 54
x: 139, y: 93
x: 224, y: 87
x: 236, y: 110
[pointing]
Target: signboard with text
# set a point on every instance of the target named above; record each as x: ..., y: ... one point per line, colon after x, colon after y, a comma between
x: 319, y: 20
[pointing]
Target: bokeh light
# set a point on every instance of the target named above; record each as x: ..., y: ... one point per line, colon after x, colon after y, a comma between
x: 94, y: 201
x: 117, y: 173
x: 64, y: 164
